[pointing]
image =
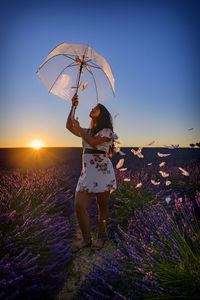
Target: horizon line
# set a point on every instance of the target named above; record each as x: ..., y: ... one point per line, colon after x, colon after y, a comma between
x: 82, y: 147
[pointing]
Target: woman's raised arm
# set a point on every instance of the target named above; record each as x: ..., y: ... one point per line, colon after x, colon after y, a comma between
x: 69, y: 123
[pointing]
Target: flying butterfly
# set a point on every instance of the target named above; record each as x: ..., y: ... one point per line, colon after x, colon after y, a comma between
x: 155, y: 183
x: 139, y: 185
x: 126, y: 179
x: 80, y: 71
x: 162, y: 155
x: 168, y: 199
x: 123, y: 169
x: 184, y: 172
x: 83, y: 87
x: 115, y: 116
x: 167, y: 182
x: 120, y: 163
x: 74, y: 87
x: 122, y: 153
x: 164, y: 174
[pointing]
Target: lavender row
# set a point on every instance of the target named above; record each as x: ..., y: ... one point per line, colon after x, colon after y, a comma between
x: 36, y: 229
x: 158, y: 242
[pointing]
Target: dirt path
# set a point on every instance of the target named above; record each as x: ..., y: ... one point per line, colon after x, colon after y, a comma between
x: 80, y: 264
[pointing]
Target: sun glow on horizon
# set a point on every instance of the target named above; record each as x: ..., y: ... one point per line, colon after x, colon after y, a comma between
x: 36, y: 144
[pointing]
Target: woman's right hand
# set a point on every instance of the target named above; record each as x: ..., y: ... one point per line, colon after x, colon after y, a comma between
x: 75, y: 100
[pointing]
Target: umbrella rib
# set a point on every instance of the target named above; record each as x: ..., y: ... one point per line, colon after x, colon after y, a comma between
x: 53, y: 57
x: 68, y: 56
x: 75, y: 55
x: 89, y: 60
x: 95, y: 65
x: 71, y: 65
x: 105, y: 75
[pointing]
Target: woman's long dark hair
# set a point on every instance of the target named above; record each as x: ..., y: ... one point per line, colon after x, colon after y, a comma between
x: 104, y: 120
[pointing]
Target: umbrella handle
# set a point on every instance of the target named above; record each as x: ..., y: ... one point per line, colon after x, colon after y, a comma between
x: 73, y: 108
x: 78, y: 79
x: 73, y: 112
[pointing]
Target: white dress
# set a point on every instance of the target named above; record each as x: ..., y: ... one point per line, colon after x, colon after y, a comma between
x: 97, y: 174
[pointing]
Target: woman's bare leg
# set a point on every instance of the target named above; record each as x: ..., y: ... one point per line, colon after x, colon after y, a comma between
x: 103, y: 207
x: 82, y: 200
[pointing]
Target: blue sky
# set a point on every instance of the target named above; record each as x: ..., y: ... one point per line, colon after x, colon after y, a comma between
x: 152, y: 46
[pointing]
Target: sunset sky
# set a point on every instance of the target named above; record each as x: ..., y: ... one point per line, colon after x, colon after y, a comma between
x: 153, y: 48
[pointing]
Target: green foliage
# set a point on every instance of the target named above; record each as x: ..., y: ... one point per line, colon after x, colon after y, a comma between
x: 126, y: 200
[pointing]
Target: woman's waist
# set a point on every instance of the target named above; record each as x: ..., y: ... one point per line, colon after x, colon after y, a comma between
x: 93, y: 151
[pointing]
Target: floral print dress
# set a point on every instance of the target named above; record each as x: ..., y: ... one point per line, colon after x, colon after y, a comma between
x: 97, y: 174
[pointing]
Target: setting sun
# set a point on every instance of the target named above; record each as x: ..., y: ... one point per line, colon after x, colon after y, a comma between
x: 36, y: 144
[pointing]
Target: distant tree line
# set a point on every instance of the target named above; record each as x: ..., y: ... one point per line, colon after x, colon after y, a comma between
x: 193, y: 145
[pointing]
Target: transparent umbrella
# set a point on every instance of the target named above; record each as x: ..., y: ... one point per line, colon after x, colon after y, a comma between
x: 70, y: 68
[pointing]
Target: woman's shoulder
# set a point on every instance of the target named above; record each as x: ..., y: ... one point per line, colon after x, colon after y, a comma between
x: 105, y: 131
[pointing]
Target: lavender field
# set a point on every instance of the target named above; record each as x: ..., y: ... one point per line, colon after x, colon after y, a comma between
x: 155, y: 226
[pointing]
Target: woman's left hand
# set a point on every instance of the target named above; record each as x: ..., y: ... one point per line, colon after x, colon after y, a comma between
x: 76, y: 123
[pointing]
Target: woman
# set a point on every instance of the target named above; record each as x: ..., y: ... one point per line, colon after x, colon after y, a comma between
x: 97, y: 174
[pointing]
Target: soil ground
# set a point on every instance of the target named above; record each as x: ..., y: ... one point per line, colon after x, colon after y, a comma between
x: 80, y: 264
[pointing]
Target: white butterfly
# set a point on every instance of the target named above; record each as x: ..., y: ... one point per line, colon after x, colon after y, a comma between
x: 123, y: 169
x: 151, y: 143
x: 163, y: 155
x: 167, y: 182
x: 122, y: 153
x: 164, y: 174
x: 83, y: 87
x: 139, y: 185
x: 155, y: 183
x: 139, y: 149
x: 115, y: 116
x: 78, y: 71
x: 168, y: 199
x: 82, y: 59
x: 126, y: 179
x: 162, y: 163
x: 78, y: 60
x: 184, y: 172
x: 120, y: 163
x: 87, y: 66
x: 170, y: 146
x: 134, y: 152
x: 138, y: 152
x: 74, y: 87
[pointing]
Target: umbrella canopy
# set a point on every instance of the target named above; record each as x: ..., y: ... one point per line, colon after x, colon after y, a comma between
x: 72, y: 67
